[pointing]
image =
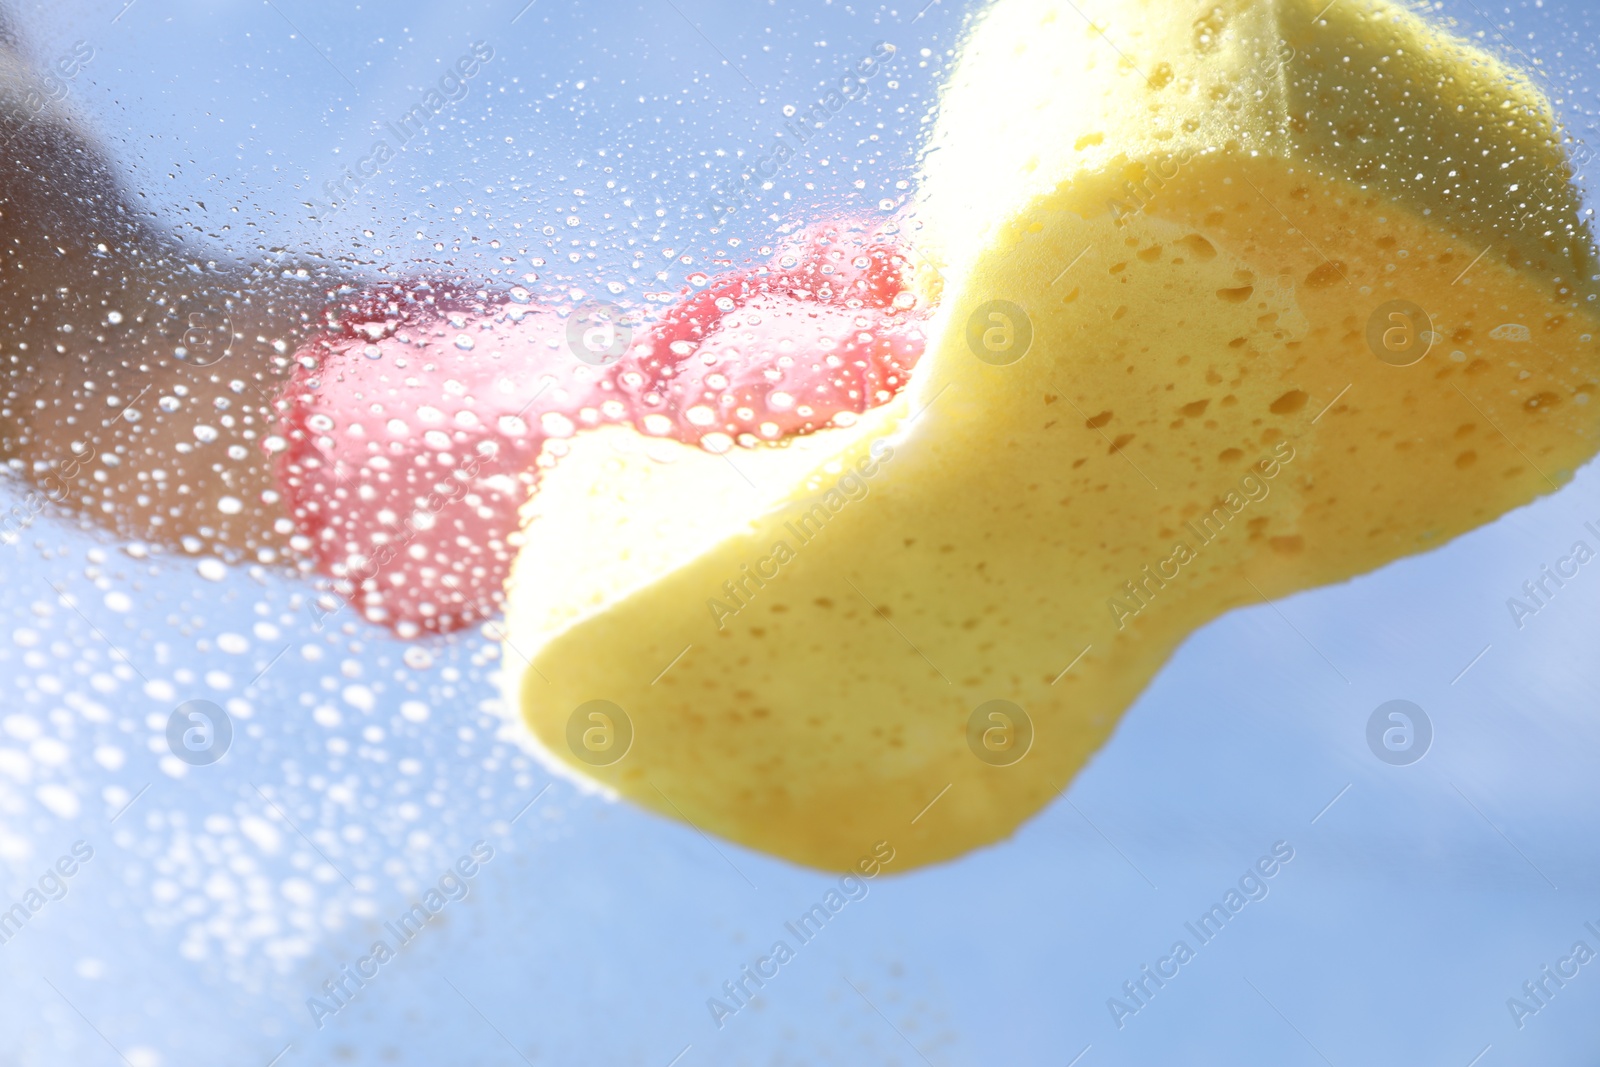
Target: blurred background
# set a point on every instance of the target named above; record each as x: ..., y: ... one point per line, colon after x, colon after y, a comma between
x: 217, y: 899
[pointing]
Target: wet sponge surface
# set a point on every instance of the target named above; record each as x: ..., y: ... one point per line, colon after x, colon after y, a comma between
x: 1202, y: 219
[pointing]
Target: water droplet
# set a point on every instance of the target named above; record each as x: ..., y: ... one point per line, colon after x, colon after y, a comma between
x: 212, y: 570
x: 556, y: 424
x: 464, y: 343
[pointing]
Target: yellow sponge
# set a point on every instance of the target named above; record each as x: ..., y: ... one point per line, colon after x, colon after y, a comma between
x: 1238, y: 298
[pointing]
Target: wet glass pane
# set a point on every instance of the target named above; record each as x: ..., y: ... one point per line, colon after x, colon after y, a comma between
x: 685, y: 532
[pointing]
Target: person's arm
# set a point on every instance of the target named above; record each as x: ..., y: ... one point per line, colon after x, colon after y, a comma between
x: 136, y: 373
